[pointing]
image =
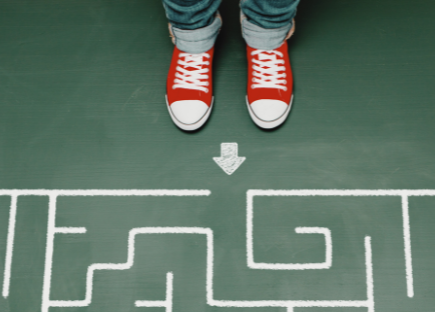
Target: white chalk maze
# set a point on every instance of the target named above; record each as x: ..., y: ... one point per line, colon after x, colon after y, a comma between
x: 280, y: 268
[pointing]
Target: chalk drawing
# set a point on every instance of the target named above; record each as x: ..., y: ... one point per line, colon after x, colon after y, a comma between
x: 283, y: 266
x: 229, y: 160
x: 407, y: 243
x: 167, y: 303
x: 43, y: 192
x: 369, y: 273
x: 53, y: 194
x: 289, y: 304
x: 10, y: 246
x: 404, y: 194
x: 369, y: 303
x: 51, y: 231
x: 291, y: 266
x: 70, y: 230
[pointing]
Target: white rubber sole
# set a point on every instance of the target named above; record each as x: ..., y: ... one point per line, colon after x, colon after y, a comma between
x: 190, y: 127
x: 269, y: 124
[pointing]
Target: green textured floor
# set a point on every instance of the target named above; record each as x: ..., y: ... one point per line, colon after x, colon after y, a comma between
x: 82, y: 87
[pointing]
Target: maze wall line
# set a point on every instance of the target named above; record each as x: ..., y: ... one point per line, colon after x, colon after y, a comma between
x: 9, y: 246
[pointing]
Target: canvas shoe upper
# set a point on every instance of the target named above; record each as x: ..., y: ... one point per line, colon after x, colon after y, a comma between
x: 189, y: 90
x: 270, y: 86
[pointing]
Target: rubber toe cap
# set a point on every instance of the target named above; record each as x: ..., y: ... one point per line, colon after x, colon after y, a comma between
x: 269, y: 110
x: 188, y: 112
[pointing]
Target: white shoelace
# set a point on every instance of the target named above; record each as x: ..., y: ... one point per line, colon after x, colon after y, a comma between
x: 192, y: 78
x: 266, y: 70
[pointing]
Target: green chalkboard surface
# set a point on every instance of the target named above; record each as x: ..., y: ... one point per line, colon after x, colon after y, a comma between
x: 106, y: 206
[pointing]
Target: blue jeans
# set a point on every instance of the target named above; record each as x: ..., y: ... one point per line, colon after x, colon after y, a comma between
x: 195, y: 24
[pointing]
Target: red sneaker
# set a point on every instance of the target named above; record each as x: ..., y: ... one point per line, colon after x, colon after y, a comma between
x: 189, y: 92
x: 270, y: 86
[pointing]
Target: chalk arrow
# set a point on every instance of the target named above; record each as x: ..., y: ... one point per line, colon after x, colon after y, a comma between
x: 229, y: 160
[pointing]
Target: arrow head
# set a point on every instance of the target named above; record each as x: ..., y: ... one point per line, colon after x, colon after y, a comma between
x: 229, y: 166
x: 229, y: 160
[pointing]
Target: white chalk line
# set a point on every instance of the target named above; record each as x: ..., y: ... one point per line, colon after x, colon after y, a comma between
x: 407, y: 247
x: 157, y: 192
x: 341, y: 192
x: 369, y: 273
x: 209, y: 277
x: 9, y: 246
x: 49, y: 252
x: 70, y: 230
x: 168, y: 302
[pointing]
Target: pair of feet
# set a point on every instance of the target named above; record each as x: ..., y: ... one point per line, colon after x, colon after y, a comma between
x: 269, y: 96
